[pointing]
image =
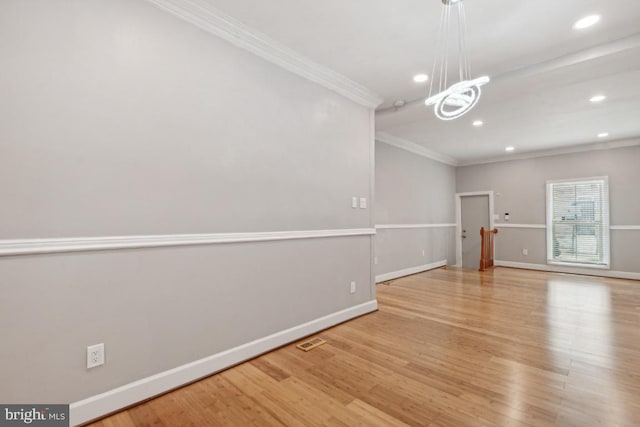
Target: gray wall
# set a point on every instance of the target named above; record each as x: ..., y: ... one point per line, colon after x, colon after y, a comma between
x: 119, y: 119
x: 521, y: 185
x: 411, y: 189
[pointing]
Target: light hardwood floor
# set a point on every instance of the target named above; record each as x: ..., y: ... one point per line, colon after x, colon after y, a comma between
x: 447, y: 348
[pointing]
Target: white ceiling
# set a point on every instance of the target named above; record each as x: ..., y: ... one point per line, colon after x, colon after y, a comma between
x: 382, y: 44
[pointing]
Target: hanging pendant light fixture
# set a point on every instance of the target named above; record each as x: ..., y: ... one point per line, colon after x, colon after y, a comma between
x: 451, y: 102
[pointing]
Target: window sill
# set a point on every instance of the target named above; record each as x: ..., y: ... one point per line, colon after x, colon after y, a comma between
x: 579, y: 265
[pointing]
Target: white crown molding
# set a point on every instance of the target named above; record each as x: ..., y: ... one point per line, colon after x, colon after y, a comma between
x: 414, y: 148
x: 409, y: 271
x: 97, y: 406
x: 570, y: 270
x: 83, y: 244
x: 610, y: 145
x: 203, y: 15
x: 401, y: 226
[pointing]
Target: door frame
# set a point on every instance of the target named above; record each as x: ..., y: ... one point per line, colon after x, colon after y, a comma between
x: 459, y: 197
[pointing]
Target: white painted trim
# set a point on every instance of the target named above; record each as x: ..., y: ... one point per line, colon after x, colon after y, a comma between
x: 579, y: 265
x: 459, y: 197
x: 372, y: 201
x: 203, y: 15
x: 414, y: 148
x: 82, y: 244
x: 573, y: 58
x: 475, y: 193
x: 610, y: 145
x: 541, y: 226
x: 570, y: 270
x: 585, y: 179
x: 97, y: 406
x: 409, y: 271
x: 400, y: 226
x: 606, y: 224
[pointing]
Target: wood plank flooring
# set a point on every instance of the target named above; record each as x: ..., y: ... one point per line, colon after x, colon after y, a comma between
x: 447, y: 348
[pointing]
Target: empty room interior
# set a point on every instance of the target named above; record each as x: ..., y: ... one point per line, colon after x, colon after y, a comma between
x: 336, y: 213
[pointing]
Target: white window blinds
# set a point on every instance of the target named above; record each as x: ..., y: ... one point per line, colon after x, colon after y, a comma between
x: 578, y: 222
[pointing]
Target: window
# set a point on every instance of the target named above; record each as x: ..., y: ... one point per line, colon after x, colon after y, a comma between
x: 578, y: 222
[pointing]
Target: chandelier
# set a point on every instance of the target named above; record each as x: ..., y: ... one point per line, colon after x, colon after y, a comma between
x: 456, y: 96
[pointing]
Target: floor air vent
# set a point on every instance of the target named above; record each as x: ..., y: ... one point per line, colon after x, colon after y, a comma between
x: 311, y: 344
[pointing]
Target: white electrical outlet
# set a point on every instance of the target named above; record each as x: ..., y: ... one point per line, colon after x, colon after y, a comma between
x: 525, y: 252
x: 423, y: 252
x: 375, y: 260
x: 95, y: 355
x: 353, y: 287
x: 354, y: 202
x: 363, y: 203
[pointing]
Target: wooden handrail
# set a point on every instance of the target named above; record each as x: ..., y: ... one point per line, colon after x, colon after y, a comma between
x: 486, y: 256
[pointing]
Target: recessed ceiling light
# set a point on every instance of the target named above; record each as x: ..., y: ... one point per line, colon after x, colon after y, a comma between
x: 420, y: 78
x: 586, y: 22
x: 603, y: 135
x: 598, y: 98
x: 509, y: 148
x: 478, y: 123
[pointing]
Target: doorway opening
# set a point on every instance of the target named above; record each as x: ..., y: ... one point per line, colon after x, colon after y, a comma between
x: 473, y: 211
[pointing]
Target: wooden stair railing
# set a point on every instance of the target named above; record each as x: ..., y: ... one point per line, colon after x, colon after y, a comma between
x: 486, y: 257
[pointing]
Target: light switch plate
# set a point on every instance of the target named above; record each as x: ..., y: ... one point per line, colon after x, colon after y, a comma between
x: 354, y: 202
x: 363, y: 203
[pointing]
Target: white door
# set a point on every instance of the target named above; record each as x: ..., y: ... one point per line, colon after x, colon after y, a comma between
x: 475, y: 215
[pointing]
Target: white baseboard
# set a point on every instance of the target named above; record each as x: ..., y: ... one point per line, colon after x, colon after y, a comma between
x: 409, y: 271
x: 571, y: 270
x: 100, y: 405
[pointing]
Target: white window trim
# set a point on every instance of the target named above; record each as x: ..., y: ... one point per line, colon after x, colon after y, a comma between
x: 605, y: 225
